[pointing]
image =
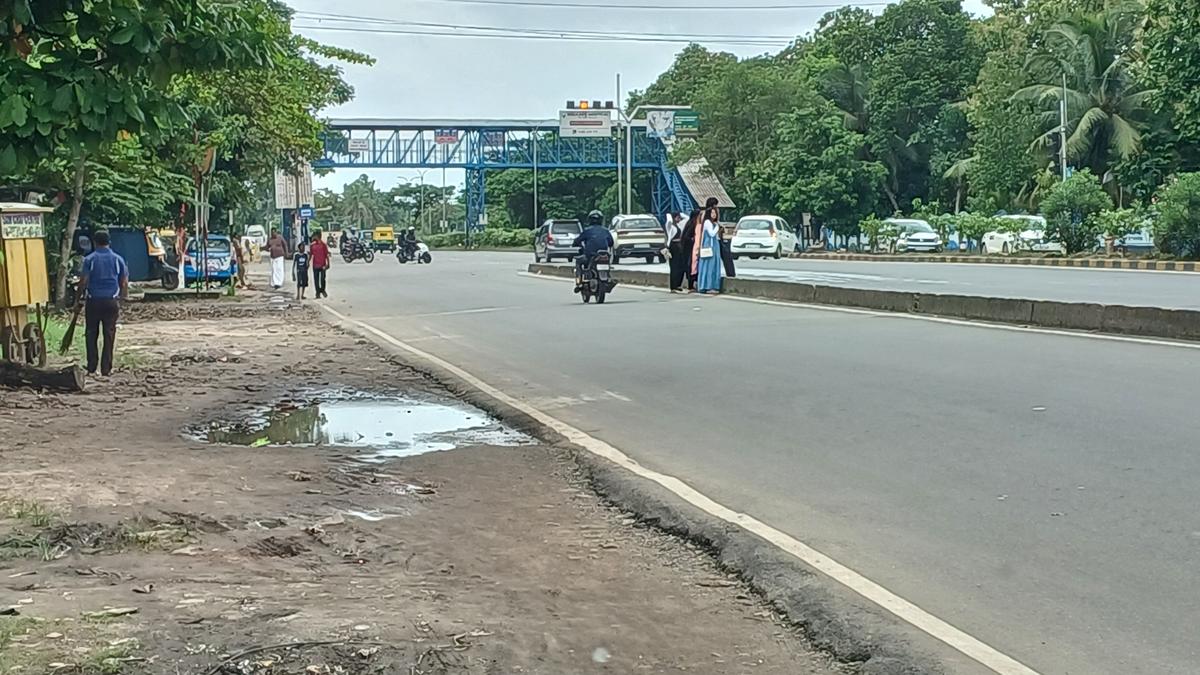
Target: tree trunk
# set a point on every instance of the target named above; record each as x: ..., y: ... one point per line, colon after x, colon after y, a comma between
x: 887, y: 189
x: 68, y: 241
x: 20, y: 375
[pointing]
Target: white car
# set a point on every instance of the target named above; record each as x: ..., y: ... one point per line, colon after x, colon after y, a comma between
x: 638, y: 237
x: 1032, y: 238
x: 758, y: 236
x: 913, y: 234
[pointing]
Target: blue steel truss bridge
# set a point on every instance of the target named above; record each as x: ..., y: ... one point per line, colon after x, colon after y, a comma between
x: 477, y: 146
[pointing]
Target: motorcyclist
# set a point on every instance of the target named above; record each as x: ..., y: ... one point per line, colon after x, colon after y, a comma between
x: 410, y: 242
x: 594, y: 239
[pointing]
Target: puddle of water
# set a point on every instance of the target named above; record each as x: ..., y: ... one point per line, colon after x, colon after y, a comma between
x: 391, y: 427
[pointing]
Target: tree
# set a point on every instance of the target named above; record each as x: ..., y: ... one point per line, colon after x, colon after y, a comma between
x: 77, y: 75
x: 694, y: 68
x: 848, y: 36
x: 1002, y: 130
x: 1106, y: 105
x: 816, y: 168
x: 1070, y: 207
x: 1172, y: 57
x: 928, y: 60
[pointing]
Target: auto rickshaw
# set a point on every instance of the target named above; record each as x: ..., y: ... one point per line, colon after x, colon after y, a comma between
x: 24, y: 282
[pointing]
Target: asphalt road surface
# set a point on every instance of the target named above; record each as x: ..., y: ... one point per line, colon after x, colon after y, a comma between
x: 1037, y: 491
x: 1179, y: 290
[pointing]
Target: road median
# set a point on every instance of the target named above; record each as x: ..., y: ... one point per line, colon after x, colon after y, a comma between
x: 1083, y: 263
x: 1157, y: 322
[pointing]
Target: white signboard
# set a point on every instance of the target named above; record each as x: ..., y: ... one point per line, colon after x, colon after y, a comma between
x: 359, y: 145
x: 660, y: 124
x: 585, y: 123
x: 289, y: 187
x: 21, y: 226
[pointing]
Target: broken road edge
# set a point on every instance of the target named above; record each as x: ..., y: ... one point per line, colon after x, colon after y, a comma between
x: 831, y: 618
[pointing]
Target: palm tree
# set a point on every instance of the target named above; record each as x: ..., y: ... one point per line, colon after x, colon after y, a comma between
x: 1106, y: 105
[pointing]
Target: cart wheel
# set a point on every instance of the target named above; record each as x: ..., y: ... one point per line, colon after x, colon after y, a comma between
x: 35, y: 345
x: 11, y: 345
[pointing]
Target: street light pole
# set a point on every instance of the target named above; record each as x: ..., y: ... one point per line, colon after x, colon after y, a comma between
x: 534, y: 137
x: 1062, y: 121
x: 620, y: 107
x: 424, y: 219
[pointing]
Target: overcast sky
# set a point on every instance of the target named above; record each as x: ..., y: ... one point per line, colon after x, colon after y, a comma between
x: 473, y: 77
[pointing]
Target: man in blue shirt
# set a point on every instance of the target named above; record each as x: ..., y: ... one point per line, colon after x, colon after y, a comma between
x: 103, y: 281
x: 595, y: 239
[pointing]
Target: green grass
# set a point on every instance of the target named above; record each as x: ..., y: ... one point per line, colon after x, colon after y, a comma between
x: 56, y: 328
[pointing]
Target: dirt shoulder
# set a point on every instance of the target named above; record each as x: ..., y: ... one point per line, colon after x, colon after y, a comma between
x: 129, y: 544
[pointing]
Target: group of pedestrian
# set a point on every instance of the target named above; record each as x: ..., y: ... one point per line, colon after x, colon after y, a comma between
x: 698, y: 250
x: 314, y: 256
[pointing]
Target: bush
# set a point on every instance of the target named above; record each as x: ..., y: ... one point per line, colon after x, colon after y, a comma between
x: 1177, y: 230
x: 1070, y: 207
x: 1117, y: 223
x: 443, y: 241
x: 498, y: 238
x: 877, y: 232
x: 972, y: 226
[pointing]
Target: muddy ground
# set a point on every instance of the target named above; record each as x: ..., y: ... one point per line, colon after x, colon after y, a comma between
x: 128, y: 544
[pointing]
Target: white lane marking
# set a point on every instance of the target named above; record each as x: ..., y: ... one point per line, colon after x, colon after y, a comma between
x: 924, y: 317
x: 970, y: 646
x: 477, y: 310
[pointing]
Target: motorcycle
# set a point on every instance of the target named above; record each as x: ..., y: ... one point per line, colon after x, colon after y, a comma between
x: 356, y: 250
x: 418, y: 255
x: 597, y: 279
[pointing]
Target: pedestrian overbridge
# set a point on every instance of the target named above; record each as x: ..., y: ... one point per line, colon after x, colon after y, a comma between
x: 481, y: 145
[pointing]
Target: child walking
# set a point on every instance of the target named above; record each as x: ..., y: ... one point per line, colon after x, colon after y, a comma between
x: 300, y: 270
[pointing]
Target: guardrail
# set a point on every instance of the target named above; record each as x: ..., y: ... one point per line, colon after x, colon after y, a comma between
x: 1182, y: 324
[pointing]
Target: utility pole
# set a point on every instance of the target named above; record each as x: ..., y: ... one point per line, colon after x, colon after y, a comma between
x: 534, y: 139
x: 443, y: 225
x: 628, y: 165
x: 1062, y: 122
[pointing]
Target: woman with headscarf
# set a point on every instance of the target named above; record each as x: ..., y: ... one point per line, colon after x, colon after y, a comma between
x: 708, y: 258
x: 676, y: 251
x: 690, y: 243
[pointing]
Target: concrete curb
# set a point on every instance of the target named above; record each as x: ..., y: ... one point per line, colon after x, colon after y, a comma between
x: 1179, y: 324
x: 1087, y: 263
x: 833, y: 620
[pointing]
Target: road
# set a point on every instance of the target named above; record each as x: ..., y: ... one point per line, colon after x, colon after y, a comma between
x: 1036, y: 491
x: 1179, y: 290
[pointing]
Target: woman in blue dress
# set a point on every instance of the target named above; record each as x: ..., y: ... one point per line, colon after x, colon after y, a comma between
x: 708, y: 276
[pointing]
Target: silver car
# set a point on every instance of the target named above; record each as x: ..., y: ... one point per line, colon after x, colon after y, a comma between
x: 556, y: 239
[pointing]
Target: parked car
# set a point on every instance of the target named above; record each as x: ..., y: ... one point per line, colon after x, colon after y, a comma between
x: 913, y: 234
x: 555, y: 239
x: 1141, y: 242
x: 638, y: 237
x: 1032, y: 238
x: 757, y: 236
x: 219, y: 262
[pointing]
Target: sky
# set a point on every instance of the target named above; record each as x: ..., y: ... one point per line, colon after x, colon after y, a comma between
x: 473, y: 77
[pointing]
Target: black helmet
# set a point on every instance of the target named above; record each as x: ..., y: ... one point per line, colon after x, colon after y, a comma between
x: 595, y: 218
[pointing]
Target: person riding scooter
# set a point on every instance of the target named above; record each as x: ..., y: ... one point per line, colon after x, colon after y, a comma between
x: 594, y: 239
x: 410, y: 243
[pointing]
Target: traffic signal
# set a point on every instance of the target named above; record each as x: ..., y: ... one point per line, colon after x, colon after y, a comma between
x: 590, y: 105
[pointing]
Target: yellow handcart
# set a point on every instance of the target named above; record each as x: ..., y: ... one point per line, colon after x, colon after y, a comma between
x: 24, y: 282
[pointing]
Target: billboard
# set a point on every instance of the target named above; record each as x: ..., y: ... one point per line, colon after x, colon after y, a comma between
x: 291, y: 191
x: 445, y: 136
x: 660, y: 124
x: 585, y: 123
x: 360, y: 145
